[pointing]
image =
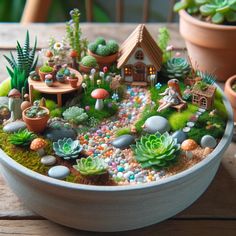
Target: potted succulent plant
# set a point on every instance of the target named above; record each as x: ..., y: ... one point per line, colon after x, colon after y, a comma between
x: 62, y: 74
x: 45, y: 70
x: 87, y: 64
x: 209, y: 30
x: 36, y: 117
x: 49, y: 80
x: 230, y: 92
x: 73, y: 80
x: 104, y: 52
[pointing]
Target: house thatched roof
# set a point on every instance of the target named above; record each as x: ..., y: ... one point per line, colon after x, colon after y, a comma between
x: 209, y: 92
x: 140, y: 37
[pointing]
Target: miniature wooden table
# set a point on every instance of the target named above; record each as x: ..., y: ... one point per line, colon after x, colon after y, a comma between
x: 57, y: 88
x: 214, y: 213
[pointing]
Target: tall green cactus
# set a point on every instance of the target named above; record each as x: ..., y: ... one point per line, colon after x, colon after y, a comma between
x: 22, y: 65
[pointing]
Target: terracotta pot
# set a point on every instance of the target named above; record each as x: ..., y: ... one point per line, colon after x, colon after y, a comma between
x: 43, y: 74
x: 36, y: 125
x: 73, y: 82
x: 85, y: 69
x: 231, y: 94
x: 211, y: 47
x: 104, y: 61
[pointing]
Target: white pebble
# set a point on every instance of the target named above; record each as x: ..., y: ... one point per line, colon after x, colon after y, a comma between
x: 120, y: 175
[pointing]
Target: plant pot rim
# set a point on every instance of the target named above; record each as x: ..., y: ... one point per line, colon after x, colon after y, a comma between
x: 36, y: 118
x: 171, y: 180
x: 98, y: 56
x: 228, y: 85
x: 184, y: 14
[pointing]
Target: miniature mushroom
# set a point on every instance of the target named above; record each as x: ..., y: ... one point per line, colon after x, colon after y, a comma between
x: 99, y: 94
x: 38, y: 145
x: 188, y: 146
x: 26, y: 103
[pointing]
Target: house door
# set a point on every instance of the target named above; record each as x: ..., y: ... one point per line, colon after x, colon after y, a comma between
x: 203, y: 103
x: 139, y: 72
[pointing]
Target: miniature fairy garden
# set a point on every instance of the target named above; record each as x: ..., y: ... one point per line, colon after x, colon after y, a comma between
x: 106, y: 114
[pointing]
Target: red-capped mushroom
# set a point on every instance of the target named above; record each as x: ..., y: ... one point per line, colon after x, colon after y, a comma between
x: 99, y: 94
x: 188, y: 146
x: 38, y: 145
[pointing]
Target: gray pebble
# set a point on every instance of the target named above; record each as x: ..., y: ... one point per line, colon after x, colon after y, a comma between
x: 156, y: 124
x: 186, y: 129
x: 190, y: 124
x: 14, y: 126
x: 123, y: 141
x: 48, y: 160
x: 208, y: 141
x: 58, y: 172
x: 179, y: 135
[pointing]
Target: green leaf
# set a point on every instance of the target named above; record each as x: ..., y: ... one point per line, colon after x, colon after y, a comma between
x: 218, y: 18
x: 180, y: 6
x: 9, y: 61
x: 207, y: 10
x: 223, y: 9
x: 26, y: 45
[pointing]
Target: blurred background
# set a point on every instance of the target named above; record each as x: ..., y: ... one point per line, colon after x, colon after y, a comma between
x: 91, y: 10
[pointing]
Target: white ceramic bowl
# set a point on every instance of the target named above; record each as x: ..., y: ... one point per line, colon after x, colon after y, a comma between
x: 118, y: 208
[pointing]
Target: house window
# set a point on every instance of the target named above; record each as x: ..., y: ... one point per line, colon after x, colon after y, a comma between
x: 139, y: 55
x: 151, y: 70
x: 128, y: 70
x: 203, y: 103
x: 195, y: 98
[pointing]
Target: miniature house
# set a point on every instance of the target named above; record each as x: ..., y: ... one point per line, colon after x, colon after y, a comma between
x: 140, y: 57
x: 204, y: 98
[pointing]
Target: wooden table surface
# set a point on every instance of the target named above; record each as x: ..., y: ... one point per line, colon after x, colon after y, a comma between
x: 214, y: 213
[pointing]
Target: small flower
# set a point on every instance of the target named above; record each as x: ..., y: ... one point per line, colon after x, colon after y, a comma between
x: 115, y: 96
x: 99, y: 82
x: 84, y: 85
x: 158, y: 86
x: 101, y: 74
x: 93, y: 71
x: 58, y: 46
x: 87, y: 108
x: 105, y: 69
x: 177, y: 54
x: 170, y: 48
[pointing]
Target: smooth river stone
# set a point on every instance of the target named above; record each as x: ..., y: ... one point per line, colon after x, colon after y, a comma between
x: 156, y: 124
x: 14, y: 126
x: 58, y: 172
x: 123, y: 141
x: 48, y: 160
x: 208, y: 141
x: 179, y: 135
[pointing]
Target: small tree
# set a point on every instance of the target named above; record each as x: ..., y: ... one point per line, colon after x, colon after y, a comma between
x: 163, y: 41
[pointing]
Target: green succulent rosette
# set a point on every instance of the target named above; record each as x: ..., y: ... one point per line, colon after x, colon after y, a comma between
x: 22, y: 138
x: 156, y: 150
x: 67, y: 148
x: 91, y: 166
x: 176, y: 68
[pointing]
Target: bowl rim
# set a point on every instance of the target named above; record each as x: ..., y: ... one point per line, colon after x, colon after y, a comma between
x: 222, y: 145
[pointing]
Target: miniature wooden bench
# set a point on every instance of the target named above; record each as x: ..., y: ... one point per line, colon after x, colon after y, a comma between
x: 180, y: 107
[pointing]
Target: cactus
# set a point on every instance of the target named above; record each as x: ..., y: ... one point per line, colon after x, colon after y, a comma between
x: 112, y: 46
x: 102, y: 50
x: 92, y: 47
x: 176, y: 68
x: 89, y: 61
x: 100, y: 40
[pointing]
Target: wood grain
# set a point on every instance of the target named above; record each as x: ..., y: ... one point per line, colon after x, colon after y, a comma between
x: 167, y: 228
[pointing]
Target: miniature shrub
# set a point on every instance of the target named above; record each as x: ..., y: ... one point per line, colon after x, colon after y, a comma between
x: 50, y: 104
x: 75, y: 115
x: 46, y: 69
x: 57, y: 112
x: 37, y: 95
x: 157, y: 151
x: 122, y: 131
x: 100, y: 40
x: 5, y: 87
x: 91, y: 166
x: 22, y: 138
x: 112, y: 46
x: 178, y: 120
x: 92, y: 47
x: 102, y: 50
x: 219, y: 105
x: 163, y: 41
x: 89, y: 61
